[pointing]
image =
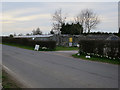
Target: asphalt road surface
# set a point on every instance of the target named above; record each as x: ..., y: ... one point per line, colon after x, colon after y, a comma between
x: 37, y: 69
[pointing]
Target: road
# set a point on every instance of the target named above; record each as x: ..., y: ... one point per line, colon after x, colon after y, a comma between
x: 47, y: 70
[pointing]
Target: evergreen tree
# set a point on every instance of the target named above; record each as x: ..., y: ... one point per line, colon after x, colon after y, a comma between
x: 72, y: 29
x: 51, y: 32
x: 11, y: 36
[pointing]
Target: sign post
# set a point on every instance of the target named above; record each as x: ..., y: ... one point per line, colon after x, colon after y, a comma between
x: 36, y: 47
x: 70, y: 42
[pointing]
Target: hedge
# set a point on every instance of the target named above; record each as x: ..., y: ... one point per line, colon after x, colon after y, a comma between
x: 28, y: 42
x: 102, y: 48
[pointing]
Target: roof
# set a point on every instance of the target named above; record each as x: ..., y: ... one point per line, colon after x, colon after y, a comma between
x: 102, y: 37
x: 33, y: 36
x: 113, y: 37
x: 98, y: 37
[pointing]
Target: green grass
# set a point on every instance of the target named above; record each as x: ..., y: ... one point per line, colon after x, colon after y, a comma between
x: 7, y: 82
x: 25, y: 47
x: 59, y: 48
x: 98, y: 59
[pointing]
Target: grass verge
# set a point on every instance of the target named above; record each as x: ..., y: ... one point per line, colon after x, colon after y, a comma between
x: 98, y: 59
x: 7, y: 82
x: 25, y: 47
x: 58, y: 48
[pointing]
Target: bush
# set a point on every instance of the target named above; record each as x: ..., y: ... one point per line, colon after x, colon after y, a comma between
x: 51, y: 45
x: 104, y: 48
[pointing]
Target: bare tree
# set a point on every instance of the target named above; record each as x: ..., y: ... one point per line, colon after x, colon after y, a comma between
x: 14, y: 34
x: 88, y: 19
x: 119, y: 30
x: 33, y: 32
x: 58, y: 20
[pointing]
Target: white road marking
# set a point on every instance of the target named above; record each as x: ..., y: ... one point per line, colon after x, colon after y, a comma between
x: 22, y: 82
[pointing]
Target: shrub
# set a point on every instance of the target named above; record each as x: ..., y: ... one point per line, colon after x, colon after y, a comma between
x: 106, y: 48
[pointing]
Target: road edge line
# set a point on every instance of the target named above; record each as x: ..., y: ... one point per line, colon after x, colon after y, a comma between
x: 15, y: 78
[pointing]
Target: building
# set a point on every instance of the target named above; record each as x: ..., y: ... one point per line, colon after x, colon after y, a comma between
x: 37, y: 37
x: 69, y: 40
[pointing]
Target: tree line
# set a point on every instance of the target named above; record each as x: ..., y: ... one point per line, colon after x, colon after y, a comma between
x: 34, y: 32
x: 83, y: 22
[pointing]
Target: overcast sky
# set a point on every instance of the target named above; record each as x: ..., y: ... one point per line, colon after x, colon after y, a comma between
x: 23, y: 17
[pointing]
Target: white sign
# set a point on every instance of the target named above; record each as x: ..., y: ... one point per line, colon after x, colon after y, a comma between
x: 77, y: 45
x: 36, y: 47
x: 87, y: 56
x: 70, y: 44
